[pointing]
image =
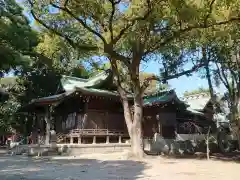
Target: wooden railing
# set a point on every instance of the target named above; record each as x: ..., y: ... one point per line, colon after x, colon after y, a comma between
x: 98, y: 132
x: 60, y: 137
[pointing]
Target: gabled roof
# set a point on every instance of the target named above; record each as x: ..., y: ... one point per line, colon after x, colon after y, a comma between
x: 84, y: 91
x: 98, y: 81
x: 51, y: 99
x: 45, y: 101
x: 94, y: 91
x: 161, y: 98
x: 197, y: 101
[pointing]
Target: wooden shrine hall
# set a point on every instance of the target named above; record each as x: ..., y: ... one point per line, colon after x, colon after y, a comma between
x: 86, y: 111
x: 83, y: 111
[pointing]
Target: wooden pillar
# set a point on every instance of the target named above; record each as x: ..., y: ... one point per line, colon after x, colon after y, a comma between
x: 106, y: 120
x: 71, y: 140
x: 107, y: 139
x: 119, y: 139
x: 79, y: 140
x: 35, y: 129
x: 94, y: 139
x: 85, y: 114
x: 159, y: 124
x: 48, y: 125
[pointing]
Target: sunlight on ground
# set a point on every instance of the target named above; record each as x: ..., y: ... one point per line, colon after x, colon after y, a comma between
x: 114, y: 166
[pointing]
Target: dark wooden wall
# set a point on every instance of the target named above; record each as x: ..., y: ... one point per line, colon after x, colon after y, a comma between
x: 166, y: 118
x: 150, y: 125
x: 102, y: 113
x: 105, y: 120
x: 106, y: 104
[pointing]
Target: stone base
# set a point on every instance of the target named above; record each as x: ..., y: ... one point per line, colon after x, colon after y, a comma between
x: 69, y: 149
x: 42, y: 150
x: 78, y: 149
x: 173, y: 146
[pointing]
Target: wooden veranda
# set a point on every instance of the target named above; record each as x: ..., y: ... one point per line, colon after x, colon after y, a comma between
x: 91, y: 135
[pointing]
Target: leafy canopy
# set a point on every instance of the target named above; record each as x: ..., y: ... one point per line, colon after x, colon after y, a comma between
x: 132, y: 31
x: 16, y: 36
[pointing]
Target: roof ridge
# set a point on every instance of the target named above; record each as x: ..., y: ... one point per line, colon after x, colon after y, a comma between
x: 196, y: 96
x: 161, y: 93
x: 75, y: 78
x: 100, y: 73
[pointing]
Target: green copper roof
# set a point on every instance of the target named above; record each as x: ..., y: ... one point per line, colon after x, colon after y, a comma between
x: 161, y: 97
x: 99, y: 92
x: 82, y: 90
x: 52, y: 99
x: 94, y: 91
x: 70, y: 83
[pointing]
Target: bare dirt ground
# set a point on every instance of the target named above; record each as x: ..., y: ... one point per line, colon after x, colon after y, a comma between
x: 114, y: 166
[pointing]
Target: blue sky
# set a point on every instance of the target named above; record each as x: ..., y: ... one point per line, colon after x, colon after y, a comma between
x: 180, y: 84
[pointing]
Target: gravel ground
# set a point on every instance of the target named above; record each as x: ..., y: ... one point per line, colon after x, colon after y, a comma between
x: 114, y: 166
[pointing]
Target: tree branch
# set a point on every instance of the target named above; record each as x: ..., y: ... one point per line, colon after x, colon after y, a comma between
x: 110, y: 26
x: 116, y: 73
x: 176, y: 34
x: 65, y: 9
x: 224, y: 80
x: 233, y: 89
x: 164, y: 79
x: 133, y: 21
x: 44, y: 58
x: 66, y: 3
x: 71, y: 42
x: 109, y: 49
x: 209, y: 12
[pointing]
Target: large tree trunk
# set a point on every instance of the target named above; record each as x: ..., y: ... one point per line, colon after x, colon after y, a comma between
x: 133, y: 119
x: 134, y: 125
x: 208, y: 76
x: 235, y: 118
x: 137, y: 134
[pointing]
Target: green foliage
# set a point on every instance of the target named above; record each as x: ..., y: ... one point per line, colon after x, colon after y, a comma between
x: 133, y: 32
x: 16, y: 36
x: 38, y: 60
x: 226, y: 71
x: 51, y: 59
x: 9, y: 107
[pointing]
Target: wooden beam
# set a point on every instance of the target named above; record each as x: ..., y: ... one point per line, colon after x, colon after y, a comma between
x: 48, y: 124
x: 85, y: 113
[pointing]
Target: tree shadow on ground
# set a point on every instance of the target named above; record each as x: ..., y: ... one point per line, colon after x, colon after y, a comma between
x: 228, y: 157
x: 19, y: 168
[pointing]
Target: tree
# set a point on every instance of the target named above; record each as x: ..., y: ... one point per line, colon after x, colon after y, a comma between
x: 126, y: 83
x: 50, y: 59
x: 221, y: 58
x: 35, y: 57
x: 59, y: 54
x: 16, y: 36
x: 227, y: 65
x: 131, y: 32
